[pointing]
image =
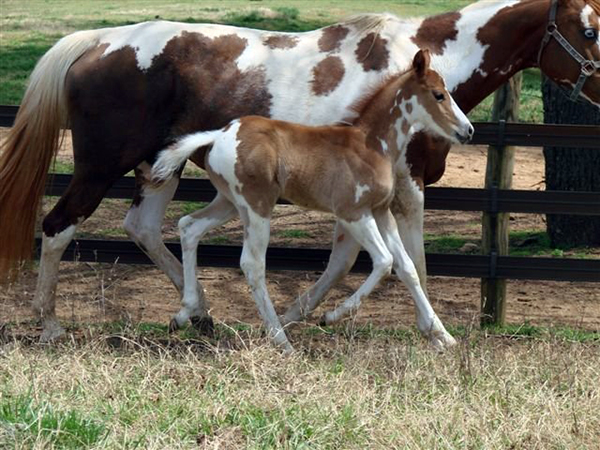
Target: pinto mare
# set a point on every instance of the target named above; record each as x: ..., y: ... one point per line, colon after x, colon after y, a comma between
x: 128, y: 92
x: 349, y: 171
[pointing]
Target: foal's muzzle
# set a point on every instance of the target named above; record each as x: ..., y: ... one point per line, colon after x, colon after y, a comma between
x: 465, y: 135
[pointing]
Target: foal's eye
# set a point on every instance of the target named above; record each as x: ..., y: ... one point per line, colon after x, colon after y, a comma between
x: 439, y: 96
x: 590, y: 33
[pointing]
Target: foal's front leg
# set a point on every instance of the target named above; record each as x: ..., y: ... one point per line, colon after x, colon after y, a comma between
x: 428, y: 322
x: 408, y: 207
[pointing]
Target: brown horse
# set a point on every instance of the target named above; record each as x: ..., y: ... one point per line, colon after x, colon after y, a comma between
x: 128, y: 92
x: 348, y: 171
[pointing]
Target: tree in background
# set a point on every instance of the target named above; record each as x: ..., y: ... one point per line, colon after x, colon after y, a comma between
x: 571, y: 169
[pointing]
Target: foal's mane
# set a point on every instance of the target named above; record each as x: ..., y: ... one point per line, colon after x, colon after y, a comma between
x: 367, y: 99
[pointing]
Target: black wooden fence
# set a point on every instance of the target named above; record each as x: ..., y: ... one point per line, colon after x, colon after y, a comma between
x: 456, y: 199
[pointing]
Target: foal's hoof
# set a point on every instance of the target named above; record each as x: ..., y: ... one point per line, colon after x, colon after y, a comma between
x: 441, y: 340
x: 204, y: 325
x: 323, y: 321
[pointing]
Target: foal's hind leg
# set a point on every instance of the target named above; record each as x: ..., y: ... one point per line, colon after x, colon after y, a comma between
x: 343, y: 255
x: 256, y: 240
x: 428, y: 322
x: 366, y: 233
x: 143, y: 225
x: 191, y: 229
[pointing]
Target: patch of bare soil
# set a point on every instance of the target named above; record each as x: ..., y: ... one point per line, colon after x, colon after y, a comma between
x: 90, y: 293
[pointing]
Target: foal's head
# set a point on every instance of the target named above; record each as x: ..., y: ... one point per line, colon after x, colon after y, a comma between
x: 427, y: 104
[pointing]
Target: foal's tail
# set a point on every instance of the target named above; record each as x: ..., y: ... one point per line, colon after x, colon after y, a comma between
x: 30, y: 146
x: 171, y: 159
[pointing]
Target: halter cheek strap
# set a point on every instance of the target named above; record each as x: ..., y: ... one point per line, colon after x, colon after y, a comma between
x: 588, y: 67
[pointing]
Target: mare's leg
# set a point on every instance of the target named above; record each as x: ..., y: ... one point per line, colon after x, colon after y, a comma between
x: 343, y: 255
x: 256, y: 240
x: 77, y: 203
x: 428, y: 322
x: 408, y: 208
x: 143, y: 225
x: 191, y: 229
x: 366, y: 233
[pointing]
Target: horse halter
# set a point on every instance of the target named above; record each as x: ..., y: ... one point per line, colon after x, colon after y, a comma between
x: 588, y: 67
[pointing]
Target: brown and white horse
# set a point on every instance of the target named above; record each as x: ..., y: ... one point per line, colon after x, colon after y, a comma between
x: 348, y: 171
x: 128, y: 92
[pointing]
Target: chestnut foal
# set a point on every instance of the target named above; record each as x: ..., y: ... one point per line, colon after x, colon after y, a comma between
x: 348, y: 171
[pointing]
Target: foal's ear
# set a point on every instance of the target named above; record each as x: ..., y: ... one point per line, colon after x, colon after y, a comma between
x: 421, y: 62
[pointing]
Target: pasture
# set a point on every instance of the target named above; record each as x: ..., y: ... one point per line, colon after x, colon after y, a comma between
x: 121, y: 381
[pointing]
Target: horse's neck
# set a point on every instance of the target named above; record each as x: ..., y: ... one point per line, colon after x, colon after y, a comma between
x: 513, y: 38
x: 482, y: 46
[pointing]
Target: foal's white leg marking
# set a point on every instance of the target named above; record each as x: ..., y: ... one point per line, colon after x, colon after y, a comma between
x: 143, y: 225
x: 366, y: 233
x: 191, y: 229
x: 408, y: 206
x: 343, y: 255
x: 257, y: 230
x: 44, y: 301
x: 428, y: 322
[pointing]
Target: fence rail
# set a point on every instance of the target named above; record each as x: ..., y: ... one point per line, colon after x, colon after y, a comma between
x: 448, y: 199
x: 457, y: 199
x: 309, y: 259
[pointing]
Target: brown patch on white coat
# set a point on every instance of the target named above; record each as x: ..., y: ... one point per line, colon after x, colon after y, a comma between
x: 281, y: 41
x: 332, y: 38
x: 327, y: 75
x: 435, y: 31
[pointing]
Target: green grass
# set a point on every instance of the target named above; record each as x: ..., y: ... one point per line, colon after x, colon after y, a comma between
x: 179, y: 209
x: 537, y: 243
x: 521, y: 243
x: 192, y: 207
x: 293, y: 234
x: 347, y: 387
x: 218, y: 240
x: 531, y: 106
x: 25, y: 421
x: 287, y: 19
x: 444, y: 244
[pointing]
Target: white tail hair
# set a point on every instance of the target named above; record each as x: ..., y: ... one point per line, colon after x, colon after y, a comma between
x: 171, y: 159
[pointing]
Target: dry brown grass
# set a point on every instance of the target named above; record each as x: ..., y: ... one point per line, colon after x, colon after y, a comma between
x: 342, y: 391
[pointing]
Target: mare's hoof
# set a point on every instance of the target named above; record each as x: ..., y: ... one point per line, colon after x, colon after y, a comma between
x: 204, y: 325
x: 52, y: 334
x: 173, y: 326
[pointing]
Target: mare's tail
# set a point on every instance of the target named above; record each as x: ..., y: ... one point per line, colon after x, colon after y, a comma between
x: 171, y: 159
x: 30, y: 146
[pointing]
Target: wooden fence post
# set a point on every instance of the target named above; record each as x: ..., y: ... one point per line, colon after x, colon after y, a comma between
x: 498, y: 175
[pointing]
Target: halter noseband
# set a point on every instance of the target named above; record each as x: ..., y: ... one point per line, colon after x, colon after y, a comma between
x: 588, y: 67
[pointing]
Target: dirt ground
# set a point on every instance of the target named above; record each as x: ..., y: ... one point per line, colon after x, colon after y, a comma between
x: 89, y: 293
